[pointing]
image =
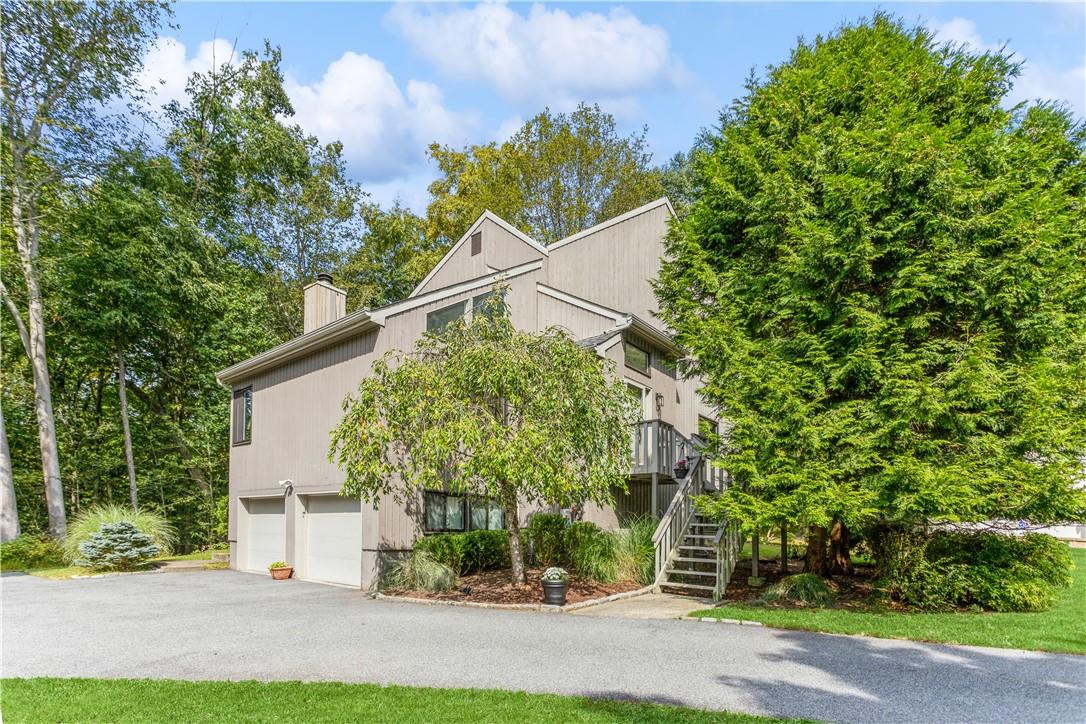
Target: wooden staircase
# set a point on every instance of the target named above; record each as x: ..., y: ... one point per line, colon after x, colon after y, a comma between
x: 694, y: 555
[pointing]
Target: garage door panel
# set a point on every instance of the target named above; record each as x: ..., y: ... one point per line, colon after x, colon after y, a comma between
x: 266, y: 532
x: 334, y: 539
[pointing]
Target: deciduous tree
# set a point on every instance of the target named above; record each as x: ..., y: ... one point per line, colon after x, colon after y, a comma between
x: 486, y: 410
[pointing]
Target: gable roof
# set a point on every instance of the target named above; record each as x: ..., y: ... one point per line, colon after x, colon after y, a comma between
x: 662, y: 201
x: 486, y: 216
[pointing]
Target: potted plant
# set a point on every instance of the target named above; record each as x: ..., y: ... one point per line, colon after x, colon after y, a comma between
x: 681, y: 466
x: 555, y: 584
x: 280, y: 570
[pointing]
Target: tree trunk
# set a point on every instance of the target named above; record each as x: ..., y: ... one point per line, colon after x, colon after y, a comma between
x: 9, y: 514
x: 512, y: 525
x: 127, y: 432
x: 815, y: 560
x: 784, y: 549
x: 26, y: 240
x: 840, y: 562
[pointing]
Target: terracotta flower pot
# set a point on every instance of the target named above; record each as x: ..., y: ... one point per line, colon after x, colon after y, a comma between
x: 282, y: 574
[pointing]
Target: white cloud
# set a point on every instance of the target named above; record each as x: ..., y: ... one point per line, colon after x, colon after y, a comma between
x: 167, y: 66
x: 384, y: 130
x: 547, y: 57
x: 1038, y: 81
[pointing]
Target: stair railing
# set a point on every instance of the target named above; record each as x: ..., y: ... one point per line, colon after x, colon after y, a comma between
x: 726, y: 542
x: 676, y: 519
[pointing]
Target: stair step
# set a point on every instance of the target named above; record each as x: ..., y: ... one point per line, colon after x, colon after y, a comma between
x: 699, y: 536
x: 692, y: 586
x: 696, y: 548
x: 685, y: 572
x: 694, y: 560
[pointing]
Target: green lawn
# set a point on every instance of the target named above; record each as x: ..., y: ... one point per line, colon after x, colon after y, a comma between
x: 144, y: 700
x: 1061, y: 628
x: 60, y: 572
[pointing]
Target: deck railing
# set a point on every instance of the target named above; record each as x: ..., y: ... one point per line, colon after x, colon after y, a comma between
x: 658, y: 447
x: 676, y: 519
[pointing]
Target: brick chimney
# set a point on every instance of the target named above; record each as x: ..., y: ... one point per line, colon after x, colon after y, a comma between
x: 324, y: 303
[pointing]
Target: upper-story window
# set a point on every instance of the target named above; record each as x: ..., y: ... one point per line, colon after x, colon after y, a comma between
x: 476, y: 243
x: 243, y: 417
x: 707, y: 426
x: 439, y: 319
x: 636, y: 357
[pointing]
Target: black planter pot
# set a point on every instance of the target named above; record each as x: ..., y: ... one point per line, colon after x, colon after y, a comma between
x: 554, y: 592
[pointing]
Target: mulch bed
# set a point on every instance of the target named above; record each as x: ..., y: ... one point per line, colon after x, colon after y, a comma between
x: 495, y: 587
x: 853, y: 592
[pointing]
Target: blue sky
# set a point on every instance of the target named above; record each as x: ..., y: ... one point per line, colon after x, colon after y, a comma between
x: 388, y: 79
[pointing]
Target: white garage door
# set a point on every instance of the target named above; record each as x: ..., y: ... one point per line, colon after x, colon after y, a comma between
x: 265, y: 533
x: 333, y: 539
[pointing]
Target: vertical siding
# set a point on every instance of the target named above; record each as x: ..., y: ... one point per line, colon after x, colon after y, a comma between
x: 501, y: 250
x: 579, y: 322
x: 613, y: 266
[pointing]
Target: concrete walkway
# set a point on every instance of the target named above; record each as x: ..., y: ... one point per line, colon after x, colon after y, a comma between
x: 228, y: 625
x: 648, y: 606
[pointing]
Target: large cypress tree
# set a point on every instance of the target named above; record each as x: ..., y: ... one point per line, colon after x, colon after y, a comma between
x: 883, y: 279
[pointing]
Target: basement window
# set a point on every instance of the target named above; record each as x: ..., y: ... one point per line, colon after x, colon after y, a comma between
x: 242, y: 418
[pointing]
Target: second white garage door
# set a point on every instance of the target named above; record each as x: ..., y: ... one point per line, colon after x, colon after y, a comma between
x: 333, y: 530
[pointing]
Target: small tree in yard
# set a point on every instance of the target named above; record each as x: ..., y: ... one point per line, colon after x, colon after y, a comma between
x: 486, y: 410
x: 882, y: 276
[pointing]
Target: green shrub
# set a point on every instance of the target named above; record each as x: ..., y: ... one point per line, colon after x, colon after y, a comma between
x: 547, y: 536
x: 805, y: 588
x: 464, y: 553
x: 117, y: 547
x: 445, y: 548
x: 31, y: 551
x: 419, y: 571
x: 635, y: 557
x: 484, y: 550
x: 91, y: 520
x: 591, y: 552
x: 950, y: 569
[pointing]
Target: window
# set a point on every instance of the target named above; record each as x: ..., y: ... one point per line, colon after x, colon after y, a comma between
x: 636, y: 357
x: 483, y: 305
x: 640, y: 396
x: 439, y: 319
x: 707, y: 427
x: 476, y: 243
x: 242, y: 431
x: 445, y: 512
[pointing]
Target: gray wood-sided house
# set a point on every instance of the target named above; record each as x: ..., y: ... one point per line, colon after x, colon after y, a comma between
x: 284, y: 494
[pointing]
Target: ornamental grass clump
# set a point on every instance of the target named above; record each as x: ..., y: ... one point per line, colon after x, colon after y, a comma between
x: 419, y: 571
x: 591, y: 552
x: 806, y: 589
x: 117, y: 547
x: 91, y: 520
x: 634, y: 552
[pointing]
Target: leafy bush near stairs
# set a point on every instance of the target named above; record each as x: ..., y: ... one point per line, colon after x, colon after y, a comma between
x: 91, y: 520
x: 804, y: 588
x: 117, y: 547
x: 30, y: 551
x: 464, y: 553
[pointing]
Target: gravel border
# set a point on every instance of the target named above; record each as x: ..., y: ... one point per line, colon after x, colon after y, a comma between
x: 517, y: 606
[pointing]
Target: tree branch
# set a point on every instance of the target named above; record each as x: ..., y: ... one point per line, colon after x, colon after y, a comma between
x: 24, y: 336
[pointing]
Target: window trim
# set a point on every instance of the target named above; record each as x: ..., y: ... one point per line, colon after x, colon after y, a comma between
x: 648, y: 357
x: 246, y: 430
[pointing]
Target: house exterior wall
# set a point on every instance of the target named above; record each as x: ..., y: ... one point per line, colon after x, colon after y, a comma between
x: 296, y: 404
x: 613, y: 266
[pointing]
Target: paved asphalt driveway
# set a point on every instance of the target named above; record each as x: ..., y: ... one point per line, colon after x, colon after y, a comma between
x: 228, y: 625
